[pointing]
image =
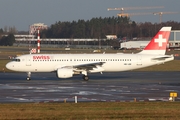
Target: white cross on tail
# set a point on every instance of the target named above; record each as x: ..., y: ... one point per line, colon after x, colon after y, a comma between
x: 160, y: 40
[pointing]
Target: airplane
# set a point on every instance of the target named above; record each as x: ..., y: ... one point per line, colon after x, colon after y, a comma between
x: 67, y: 65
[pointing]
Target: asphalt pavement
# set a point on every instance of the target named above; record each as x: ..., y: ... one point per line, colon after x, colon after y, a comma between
x: 117, y: 87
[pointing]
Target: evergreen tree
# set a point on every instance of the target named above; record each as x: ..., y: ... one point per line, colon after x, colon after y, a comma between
x: 100, y: 27
x: 7, y: 41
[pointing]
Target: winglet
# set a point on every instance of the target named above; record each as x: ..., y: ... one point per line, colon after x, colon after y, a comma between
x: 159, y: 42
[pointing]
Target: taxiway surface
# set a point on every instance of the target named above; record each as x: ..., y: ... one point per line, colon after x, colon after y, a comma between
x: 120, y: 86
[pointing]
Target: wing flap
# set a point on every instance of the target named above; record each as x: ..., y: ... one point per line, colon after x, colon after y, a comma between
x: 88, y: 66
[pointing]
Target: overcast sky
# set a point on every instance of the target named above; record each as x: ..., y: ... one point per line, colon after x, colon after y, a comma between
x: 22, y: 13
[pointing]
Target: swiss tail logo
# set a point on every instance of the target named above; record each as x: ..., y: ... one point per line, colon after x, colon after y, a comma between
x: 159, y: 42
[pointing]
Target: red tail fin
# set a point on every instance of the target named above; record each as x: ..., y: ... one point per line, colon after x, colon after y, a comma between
x: 159, y: 43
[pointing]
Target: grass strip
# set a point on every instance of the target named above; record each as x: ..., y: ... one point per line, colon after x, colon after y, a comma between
x: 89, y: 111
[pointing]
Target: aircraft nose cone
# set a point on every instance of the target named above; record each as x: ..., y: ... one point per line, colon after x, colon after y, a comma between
x: 9, y: 66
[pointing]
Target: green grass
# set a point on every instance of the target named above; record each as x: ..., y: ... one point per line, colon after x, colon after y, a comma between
x: 3, y: 66
x: 92, y: 111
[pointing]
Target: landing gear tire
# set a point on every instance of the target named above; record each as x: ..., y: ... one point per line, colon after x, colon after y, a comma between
x: 86, y: 78
x: 28, y: 78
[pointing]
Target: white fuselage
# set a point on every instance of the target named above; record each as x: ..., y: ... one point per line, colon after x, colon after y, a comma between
x: 111, y: 62
x: 67, y: 65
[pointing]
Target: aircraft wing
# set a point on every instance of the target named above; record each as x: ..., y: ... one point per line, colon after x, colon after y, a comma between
x: 89, y: 66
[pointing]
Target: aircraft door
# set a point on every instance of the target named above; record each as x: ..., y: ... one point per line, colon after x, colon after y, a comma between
x: 28, y: 61
x: 139, y: 60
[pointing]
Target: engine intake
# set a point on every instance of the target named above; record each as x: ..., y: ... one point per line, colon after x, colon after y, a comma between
x: 65, y: 73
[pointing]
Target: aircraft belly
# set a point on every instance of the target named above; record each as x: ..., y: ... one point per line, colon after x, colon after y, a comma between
x: 122, y: 66
x: 113, y: 67
x: 147, y: 62
x: 38, y: 68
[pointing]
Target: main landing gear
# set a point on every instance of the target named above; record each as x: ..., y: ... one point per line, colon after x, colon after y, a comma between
x: 85, y: 77
x: 28, y: 76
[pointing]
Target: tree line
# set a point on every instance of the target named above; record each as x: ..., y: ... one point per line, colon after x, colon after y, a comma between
x: 100, y: 27
x: 7, y: 40
x: 7, y: 36
x: 123, y: 27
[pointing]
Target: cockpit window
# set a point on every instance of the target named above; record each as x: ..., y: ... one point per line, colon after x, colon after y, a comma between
x: 17, y: 60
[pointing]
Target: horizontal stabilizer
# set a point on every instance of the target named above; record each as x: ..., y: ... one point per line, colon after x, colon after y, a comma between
x: 160, y: 58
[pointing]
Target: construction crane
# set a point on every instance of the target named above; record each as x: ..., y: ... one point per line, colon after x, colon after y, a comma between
x: 131, y: 14
x: 134, y: 8
x: 161, y: 13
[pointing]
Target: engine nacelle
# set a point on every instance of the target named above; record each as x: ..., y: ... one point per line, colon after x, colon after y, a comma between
x: 64, y: 73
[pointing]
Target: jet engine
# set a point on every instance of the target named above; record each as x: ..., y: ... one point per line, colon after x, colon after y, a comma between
x: 65, y: 73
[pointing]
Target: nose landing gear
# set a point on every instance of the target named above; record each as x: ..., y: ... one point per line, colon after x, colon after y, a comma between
x: 28, y: 76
